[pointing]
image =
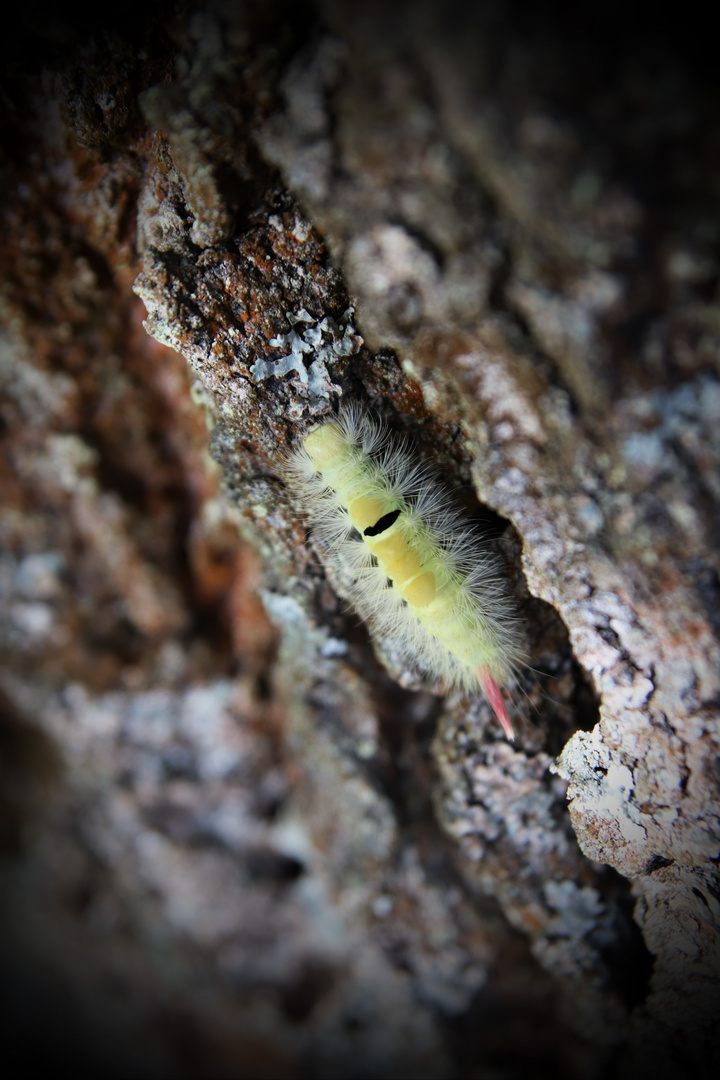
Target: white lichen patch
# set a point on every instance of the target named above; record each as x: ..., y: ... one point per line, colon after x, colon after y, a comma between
x: 598, y: 780
x: 579, y: 909
x: 326, y: 341
x: 40, y: 397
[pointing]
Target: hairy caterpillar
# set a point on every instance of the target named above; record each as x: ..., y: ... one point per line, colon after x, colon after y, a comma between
x: 418, y: 573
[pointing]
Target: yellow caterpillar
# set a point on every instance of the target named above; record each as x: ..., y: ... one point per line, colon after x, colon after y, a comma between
x: 418, y: 573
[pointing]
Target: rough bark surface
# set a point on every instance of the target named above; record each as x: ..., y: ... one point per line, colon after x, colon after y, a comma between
x: 241, y: 837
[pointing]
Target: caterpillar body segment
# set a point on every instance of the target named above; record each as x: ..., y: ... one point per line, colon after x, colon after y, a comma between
x: 418, y: 573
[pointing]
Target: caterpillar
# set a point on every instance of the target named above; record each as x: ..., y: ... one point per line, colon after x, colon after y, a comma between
x: 417, y: 573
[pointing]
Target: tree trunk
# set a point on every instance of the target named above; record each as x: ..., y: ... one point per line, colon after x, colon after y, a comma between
x: 244, y: 835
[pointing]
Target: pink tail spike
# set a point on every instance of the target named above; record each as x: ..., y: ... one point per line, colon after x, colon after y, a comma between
x: 493, y: 695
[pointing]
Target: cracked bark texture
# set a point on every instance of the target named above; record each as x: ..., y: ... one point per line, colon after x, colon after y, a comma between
x: 292, y: 856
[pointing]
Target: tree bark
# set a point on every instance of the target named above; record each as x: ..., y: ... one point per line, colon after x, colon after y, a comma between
x: 243, y: 837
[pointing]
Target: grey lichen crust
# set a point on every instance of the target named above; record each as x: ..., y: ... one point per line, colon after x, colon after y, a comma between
x: 323, y: 340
